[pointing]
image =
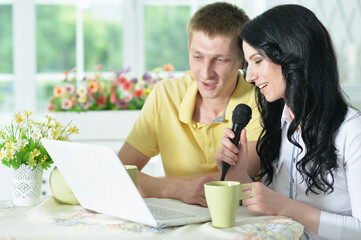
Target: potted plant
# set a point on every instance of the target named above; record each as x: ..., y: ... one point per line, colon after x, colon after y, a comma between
x: 97, y: 93
x: 21, y: 150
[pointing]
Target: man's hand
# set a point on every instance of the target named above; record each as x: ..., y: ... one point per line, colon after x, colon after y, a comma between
x: 192, y: 191
x: 189, y: 189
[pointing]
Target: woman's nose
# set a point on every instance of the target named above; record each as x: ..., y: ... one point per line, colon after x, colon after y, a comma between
x: 249, y: 75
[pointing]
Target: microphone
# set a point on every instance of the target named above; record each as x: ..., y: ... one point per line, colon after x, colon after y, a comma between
x: 241, y: 115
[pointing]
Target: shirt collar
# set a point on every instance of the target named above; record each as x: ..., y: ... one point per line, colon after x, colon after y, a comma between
x: 286, y: 116
x: 236, y: 97
x: 186, y: 108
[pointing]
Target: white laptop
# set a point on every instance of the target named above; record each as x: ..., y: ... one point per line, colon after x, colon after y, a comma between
x: 101, y: 184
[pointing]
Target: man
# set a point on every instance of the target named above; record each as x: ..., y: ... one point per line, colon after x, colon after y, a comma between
x: 183, y: 119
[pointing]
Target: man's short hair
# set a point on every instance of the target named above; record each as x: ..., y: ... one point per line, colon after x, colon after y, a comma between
x: 219, y: 18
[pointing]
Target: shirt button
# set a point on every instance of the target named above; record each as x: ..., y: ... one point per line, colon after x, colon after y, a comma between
x: 210, y: 149
x: 293, y: 180
x: 277, y: 165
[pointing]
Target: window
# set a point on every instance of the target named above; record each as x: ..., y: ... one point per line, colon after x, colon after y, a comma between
x: 55, y: 38
x: 6, y: 49
x: 166, y: 36
x: 103, y: 37
x: 57, y: 34
x: 55, y: 45
x: 6, y: 59
x: 142, y: 34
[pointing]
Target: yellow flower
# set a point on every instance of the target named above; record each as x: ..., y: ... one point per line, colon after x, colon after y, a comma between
x: 16, y: 137
x: 82, y: 91
x: 32, y: 162
x: 58, y: 124
x: 9, y: 154
x: 146, y: 91
x: 10, y: 146
x: 82, y: 98
x: 43, y: 159
x: 27, y: 113
x: 49, y: 118
x: 73, y: 130
x: 19, y: 118
x: 55, y: 132
x: 157, y: 70
x: 34, y: 154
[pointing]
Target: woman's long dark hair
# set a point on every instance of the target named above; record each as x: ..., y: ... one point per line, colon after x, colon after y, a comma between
x: 292, y: 37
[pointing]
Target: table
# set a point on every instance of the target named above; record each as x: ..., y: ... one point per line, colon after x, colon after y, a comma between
x: 53, y: 220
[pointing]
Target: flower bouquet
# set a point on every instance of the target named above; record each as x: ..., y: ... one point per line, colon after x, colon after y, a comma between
x: 20, y: 142
x: 21, y: 149
x: 119, y: 92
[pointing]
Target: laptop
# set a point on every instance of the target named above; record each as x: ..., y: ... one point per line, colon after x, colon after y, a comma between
x: 100, y: 183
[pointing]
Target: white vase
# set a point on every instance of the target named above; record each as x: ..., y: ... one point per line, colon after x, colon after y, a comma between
x: 27, y: 185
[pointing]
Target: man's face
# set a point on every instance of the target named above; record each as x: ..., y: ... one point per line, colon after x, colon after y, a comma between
x: 214, y: 63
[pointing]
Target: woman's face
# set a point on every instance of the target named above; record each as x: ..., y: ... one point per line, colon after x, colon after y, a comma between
x: 264, y: 73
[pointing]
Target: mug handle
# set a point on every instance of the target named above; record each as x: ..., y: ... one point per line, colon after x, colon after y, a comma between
x: 241, y: 196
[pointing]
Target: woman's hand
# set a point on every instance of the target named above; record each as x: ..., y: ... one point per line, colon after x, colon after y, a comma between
x: 237, y: 157
x: 265, y: 200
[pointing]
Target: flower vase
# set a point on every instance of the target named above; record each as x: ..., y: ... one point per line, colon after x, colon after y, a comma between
x: 27, y: 183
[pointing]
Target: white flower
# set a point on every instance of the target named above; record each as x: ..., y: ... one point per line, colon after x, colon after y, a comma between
x: 2, y: 154
x: 44, y: 130
x: 82, y: 91
x: 64, y: 137
x: 22, y: 143
x: 36, y: 134
x: 10, y: 147
x: 127, y: 97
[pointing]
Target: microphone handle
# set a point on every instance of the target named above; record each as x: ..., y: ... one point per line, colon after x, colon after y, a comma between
x: 236, y: 128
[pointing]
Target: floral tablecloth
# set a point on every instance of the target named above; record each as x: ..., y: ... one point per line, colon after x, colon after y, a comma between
x: 52, y: 220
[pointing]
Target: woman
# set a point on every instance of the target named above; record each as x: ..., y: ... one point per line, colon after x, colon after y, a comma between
x: 310, y: 146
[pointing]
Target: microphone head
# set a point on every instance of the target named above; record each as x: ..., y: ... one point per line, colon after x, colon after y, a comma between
x: 242, y: 113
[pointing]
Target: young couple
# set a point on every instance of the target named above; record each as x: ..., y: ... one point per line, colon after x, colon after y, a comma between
x: 304, y: 142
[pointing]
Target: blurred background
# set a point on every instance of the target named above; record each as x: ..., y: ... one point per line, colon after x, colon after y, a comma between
x: 40, y: 39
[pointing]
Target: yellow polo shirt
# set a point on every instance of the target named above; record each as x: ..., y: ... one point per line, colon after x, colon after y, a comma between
x: 165, y: 126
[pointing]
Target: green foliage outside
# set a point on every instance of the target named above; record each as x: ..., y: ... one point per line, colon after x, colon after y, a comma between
x: 6, y: 58
x: 165, y: 36
x: 6, y: 97
x: 55, y: 38
x: 165, y: 41
x: 103, y: 42
x: 6, y: 44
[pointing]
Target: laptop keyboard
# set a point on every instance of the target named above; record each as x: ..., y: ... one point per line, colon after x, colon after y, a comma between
x: 165, y: 213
